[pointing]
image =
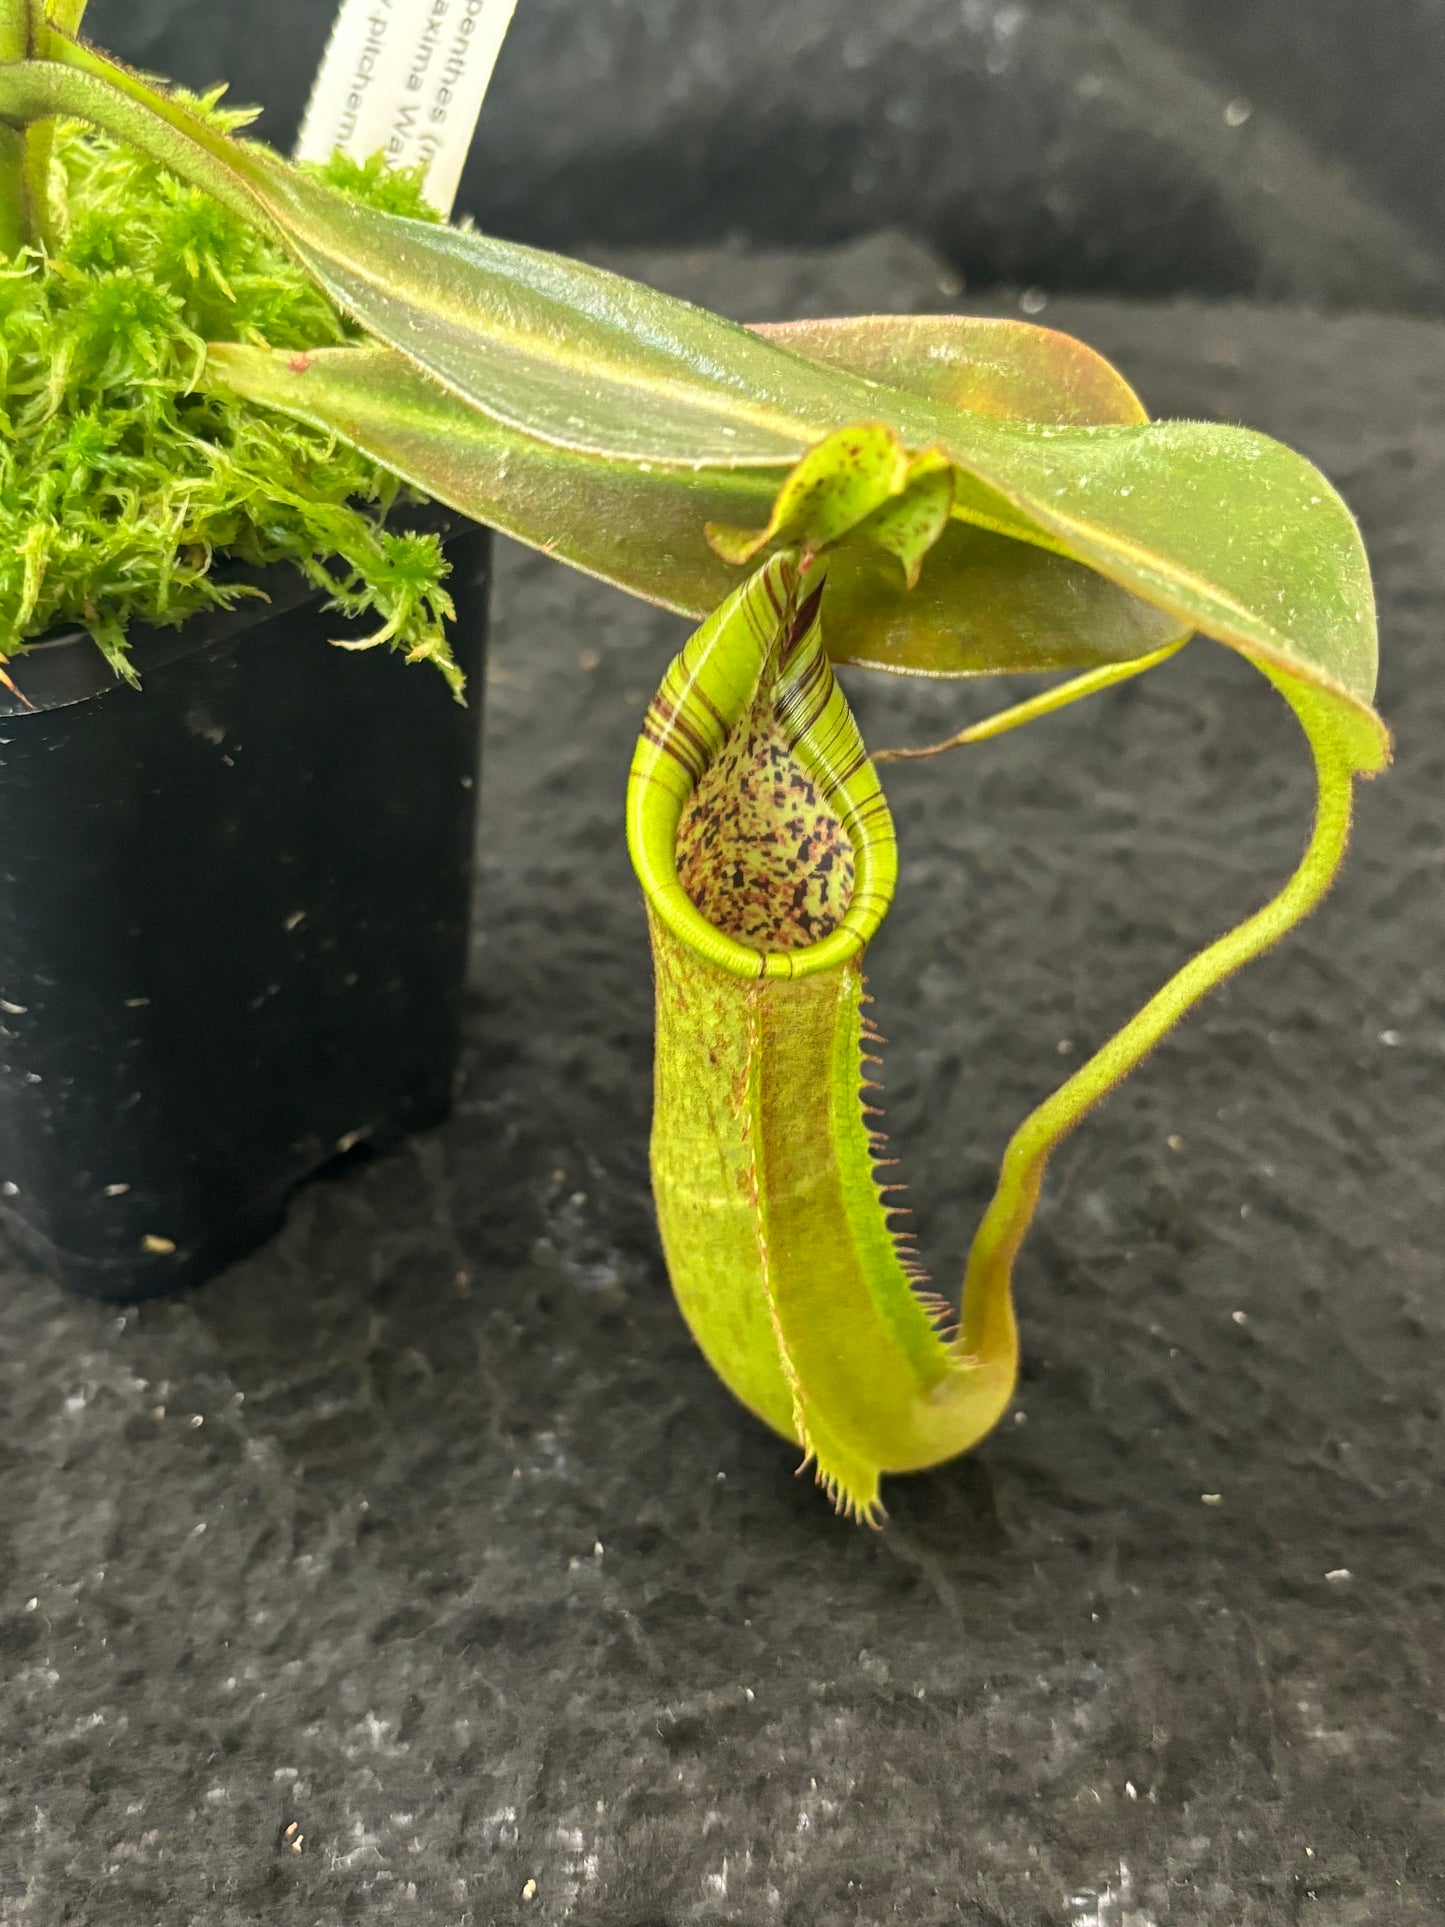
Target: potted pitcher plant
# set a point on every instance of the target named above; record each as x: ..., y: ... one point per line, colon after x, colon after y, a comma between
x: 938, y: 496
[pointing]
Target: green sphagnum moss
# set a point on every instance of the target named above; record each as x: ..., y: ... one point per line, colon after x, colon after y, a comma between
x: 120, y: 485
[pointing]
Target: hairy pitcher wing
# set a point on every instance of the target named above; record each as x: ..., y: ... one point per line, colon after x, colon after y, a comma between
x: 766, y: 852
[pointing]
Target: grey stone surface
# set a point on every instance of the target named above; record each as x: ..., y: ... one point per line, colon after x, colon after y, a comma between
x: 1286, y: 148
x: 427, y: 1534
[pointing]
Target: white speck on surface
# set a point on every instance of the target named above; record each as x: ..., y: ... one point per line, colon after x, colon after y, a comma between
x: 1240, y: 1317
x: 529, y: 1891
x: 1339, y: 1576
x: 1212, y: 1498
x: 1111, y: 1906
x: 1237, y: 112
x: 1391, y: 1037
x: 1033, y: 301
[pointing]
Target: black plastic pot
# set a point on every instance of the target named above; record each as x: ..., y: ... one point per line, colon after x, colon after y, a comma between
x: 233, y: 924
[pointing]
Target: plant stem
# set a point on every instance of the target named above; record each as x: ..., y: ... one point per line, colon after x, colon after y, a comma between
x: 26, y: 211
x: 14, y: 182
x: 1001, y: 1232
x: 84, y: 86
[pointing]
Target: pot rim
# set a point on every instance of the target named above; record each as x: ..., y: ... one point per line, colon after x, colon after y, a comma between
x: 65, y: 667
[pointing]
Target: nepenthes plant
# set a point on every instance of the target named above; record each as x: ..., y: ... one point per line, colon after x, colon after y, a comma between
x: 765, y: 848
x: 939, y: 496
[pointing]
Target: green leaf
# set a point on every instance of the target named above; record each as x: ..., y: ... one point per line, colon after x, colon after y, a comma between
x: 983, y: 605
x: 638, y: 526
x: 1012, y: 369
x: 1216, y: 527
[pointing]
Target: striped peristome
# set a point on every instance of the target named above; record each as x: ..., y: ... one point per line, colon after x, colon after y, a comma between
x: 766, y: 628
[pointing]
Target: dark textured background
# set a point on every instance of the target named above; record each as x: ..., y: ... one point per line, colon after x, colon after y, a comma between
x: 427, y: 1532
x: 1289, y: 148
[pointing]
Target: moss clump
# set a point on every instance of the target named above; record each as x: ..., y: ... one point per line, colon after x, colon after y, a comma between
x: 119, y: 483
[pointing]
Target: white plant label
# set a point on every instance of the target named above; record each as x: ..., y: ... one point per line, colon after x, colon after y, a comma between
x: 409, y: 77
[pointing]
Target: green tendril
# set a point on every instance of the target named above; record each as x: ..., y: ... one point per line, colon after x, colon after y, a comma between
x: 1006, y: 1221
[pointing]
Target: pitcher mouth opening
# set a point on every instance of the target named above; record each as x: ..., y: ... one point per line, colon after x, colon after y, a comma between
x: 757, y: 824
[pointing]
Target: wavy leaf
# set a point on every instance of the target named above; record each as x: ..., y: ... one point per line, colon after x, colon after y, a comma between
x: 1217, y: 527
x: 984, y: 604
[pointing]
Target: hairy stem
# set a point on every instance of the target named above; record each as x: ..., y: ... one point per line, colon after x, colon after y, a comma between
x: 999, y: 1236
x: 27, y: 213
x: 15, y: 221
x: 81, y: 84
